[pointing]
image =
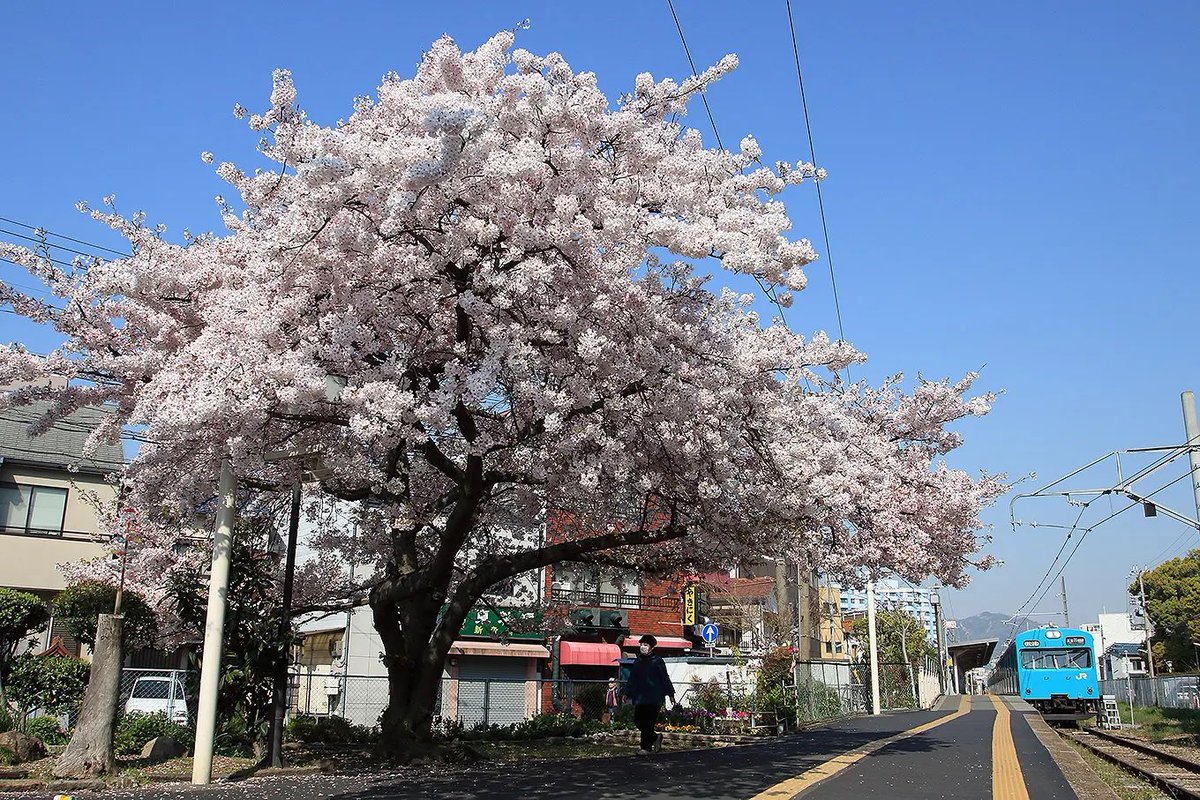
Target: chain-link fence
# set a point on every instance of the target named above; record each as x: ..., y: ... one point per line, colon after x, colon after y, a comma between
x: 1165, y: 691
x: 156, y: 691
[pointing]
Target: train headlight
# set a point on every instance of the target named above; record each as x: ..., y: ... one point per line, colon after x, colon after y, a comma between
x: 1089, y: 690
x: 1029, y: 691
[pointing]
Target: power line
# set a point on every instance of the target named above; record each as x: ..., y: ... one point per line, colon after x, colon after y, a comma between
x: 812, y: 151
x: 36, y: 240
x: 687, y: 52
x: 766, y: 290
x: 92, y: 245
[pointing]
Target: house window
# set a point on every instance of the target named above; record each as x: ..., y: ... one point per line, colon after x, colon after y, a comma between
x: 32, y: 509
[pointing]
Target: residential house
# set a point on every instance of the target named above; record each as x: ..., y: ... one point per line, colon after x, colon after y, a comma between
x: 49, y: 495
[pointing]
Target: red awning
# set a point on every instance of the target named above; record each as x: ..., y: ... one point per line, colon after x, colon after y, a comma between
x: 597, y: 653
x: 664, y: 642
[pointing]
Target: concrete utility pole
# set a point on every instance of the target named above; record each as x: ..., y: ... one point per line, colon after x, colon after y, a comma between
x: 1149, y: 624
x: 935, y: 597
x: 873, y: 646
x: 1191, y: 429
x: 214, y: 627
x: 1066, y: 613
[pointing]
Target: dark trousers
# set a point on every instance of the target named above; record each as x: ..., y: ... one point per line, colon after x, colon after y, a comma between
x: 645, y: 717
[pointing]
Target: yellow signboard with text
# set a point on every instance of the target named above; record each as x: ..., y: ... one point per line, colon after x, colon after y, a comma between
x: 689, y: 604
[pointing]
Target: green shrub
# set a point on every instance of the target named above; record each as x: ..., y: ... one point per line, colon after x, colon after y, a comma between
x: 21, y: 615
x: 624, y: 717
x: 54, y: 684
x: 6, y: 720
x: 134, y: 730
x: 46, y: 729
x: 80, y: 605
x: 326, y: 730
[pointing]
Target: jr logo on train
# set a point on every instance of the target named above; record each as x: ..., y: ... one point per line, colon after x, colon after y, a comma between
x: 1053, y: 669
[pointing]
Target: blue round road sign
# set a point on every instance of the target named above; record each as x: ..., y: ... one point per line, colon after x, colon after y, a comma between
x: 709, y: 633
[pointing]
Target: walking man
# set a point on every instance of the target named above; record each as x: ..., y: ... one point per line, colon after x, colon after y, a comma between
x: 647, y: 687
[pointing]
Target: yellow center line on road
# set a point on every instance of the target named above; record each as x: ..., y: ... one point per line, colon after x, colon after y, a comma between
x: 1008, y: 783
x: 809, y: 778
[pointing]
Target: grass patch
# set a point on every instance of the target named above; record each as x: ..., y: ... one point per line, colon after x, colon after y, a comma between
x: 1127, y: 786
x: 1162, y: 724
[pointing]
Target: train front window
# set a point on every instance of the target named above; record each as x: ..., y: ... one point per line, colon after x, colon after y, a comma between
x: 1074, y: 658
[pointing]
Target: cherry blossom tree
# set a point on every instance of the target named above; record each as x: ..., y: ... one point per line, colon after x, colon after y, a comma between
x: 500, y: 267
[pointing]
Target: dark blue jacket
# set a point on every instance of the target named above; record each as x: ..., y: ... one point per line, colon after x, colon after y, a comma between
x: 648, y: 682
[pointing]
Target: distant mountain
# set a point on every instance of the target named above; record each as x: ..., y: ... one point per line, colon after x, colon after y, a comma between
x: 986, y: 625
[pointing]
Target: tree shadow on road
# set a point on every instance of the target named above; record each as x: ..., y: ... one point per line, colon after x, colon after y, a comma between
x: 733, y: 772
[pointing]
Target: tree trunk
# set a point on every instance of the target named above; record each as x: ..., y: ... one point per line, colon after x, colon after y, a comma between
x: 415, y: 645
x: 90, y: 751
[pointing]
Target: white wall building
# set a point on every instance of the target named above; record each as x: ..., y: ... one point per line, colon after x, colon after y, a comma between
x: 1117, y: 642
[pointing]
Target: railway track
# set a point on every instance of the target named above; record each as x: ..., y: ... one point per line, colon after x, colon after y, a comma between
x: 1178, y: 777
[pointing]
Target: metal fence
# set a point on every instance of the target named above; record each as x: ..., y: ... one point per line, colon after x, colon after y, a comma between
x: 1164, y: 691
x: 154, y: 691
x: 819, y: 690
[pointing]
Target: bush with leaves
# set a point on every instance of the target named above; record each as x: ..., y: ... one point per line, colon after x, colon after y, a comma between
x: 135, y: 729
x: 21, y: 615
x: 47, y: 729
x: 80, y: 604
x: 55, y: 684
x: 326, y: 730
x: 710, y: 696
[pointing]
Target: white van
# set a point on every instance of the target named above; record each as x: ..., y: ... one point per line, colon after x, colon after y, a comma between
x: 153, y: 694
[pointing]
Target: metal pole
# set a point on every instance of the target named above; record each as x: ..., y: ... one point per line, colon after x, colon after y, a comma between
x: 1192, y: 430
x: 1066, y: 614
x: 279, y: 690
x: 873, y: 646
x: 214, y: 627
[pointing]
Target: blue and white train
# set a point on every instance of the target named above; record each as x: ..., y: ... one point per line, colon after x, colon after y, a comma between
x: 1053, y: 669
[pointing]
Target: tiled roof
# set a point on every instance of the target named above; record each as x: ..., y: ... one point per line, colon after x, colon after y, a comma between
x: 60, y: 446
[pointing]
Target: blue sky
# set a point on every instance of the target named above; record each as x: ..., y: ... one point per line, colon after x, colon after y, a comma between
x: 1011, y: 187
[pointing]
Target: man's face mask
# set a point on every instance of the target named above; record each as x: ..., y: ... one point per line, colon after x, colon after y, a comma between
x: 644, y: 649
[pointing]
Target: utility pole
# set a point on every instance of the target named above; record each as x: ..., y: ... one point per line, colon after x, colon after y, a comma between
x: 1149, y: 624
x: 214, y: 627
x: 280, y: 686
x: 1066, y: 614
x: 873, y: 646
x: 935, y: 597
x: 1191, y: 429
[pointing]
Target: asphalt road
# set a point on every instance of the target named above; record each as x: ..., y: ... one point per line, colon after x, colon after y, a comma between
x: 953, y: 760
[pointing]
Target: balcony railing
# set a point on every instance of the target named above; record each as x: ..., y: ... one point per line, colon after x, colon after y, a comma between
x: 588, y: 597
x: 51, y: 533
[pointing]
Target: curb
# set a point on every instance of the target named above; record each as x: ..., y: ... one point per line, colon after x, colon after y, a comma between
x: 1084, y: 780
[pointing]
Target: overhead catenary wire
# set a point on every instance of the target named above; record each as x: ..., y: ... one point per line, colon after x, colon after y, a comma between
x: 1091, y: 528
